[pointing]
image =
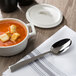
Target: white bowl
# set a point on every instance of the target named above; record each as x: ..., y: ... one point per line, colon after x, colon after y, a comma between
x: 15, y: 49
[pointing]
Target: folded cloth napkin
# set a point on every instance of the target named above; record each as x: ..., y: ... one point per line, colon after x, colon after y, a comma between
x: 51, y: 65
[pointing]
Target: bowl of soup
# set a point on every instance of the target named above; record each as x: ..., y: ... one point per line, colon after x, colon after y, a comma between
x: 14, y: 35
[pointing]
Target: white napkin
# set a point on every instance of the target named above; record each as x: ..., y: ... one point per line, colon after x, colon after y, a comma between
x: 51, y: 65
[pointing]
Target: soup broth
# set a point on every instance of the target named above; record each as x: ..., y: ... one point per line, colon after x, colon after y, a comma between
x: 21, y: 29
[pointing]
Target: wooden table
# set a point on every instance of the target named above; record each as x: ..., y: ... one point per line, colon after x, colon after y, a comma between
x: 68, y: 8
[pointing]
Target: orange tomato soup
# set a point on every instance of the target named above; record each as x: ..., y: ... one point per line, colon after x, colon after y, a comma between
x: 21, y: 29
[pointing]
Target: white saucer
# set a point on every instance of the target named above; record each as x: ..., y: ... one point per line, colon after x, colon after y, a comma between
x: 44, y: 15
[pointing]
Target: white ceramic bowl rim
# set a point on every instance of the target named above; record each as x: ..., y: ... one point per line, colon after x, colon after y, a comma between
x: 23, y: 39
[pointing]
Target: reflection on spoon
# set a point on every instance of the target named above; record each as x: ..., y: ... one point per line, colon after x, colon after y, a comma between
x: 57, y: 48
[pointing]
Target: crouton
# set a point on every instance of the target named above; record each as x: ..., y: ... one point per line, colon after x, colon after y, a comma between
x: 4, y: 37
x: 15, y: 36
x: 12, y: 29
x: 8, y: 33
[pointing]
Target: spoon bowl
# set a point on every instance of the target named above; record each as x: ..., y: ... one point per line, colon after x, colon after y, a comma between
x: 61, y: 46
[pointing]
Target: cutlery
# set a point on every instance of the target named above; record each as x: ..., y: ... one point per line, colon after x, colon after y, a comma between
x: 57, y: 48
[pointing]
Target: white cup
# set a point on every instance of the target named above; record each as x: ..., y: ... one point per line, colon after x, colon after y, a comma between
x: 15, y: 49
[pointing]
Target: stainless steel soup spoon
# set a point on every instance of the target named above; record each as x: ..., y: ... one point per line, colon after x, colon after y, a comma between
x: 57, y: 48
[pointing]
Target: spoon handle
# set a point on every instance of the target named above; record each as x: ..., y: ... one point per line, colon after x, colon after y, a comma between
x: 26, y: 62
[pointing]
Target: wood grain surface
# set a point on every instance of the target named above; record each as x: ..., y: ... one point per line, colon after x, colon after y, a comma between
x: 68, y: 8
